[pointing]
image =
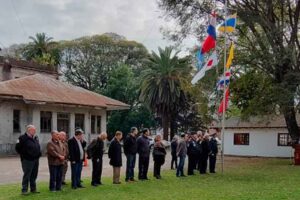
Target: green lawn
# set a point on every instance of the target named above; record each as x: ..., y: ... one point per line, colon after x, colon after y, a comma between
x: 244, y: 179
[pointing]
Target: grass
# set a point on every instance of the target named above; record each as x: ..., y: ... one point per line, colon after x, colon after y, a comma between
x: 263, y: 179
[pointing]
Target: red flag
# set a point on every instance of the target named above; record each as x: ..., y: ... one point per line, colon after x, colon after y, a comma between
x: 208, y: 44
x: 220, y: 111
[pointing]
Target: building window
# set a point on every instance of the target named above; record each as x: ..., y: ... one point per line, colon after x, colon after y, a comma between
x: 241, y: 139
x: 95, y: 124
x: 98, y: 124
x: 46, y: 122
x: 16, y: 121
x: 79, y: 121
x: 284, y: 139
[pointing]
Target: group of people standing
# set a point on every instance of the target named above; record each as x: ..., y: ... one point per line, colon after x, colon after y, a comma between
x: 199, y: 148
x: 133, y: 145
x: 60, y: 151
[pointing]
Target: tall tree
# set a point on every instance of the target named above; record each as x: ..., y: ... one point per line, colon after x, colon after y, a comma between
x: 87, y: 61
x: 41, y: 49
x: 163, y: 82
x: 268, y: 42
x: 123, y: 85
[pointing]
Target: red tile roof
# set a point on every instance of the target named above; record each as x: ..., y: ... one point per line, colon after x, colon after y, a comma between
x: 42, y: 89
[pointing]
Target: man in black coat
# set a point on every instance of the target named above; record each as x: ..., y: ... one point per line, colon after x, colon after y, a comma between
x: 173, y: 152
x: 115, y: 155
x: 193, y: 152
x: 213, y: 145
x: 130, y: 150
x: 30, y: 151
x: 143, y: 150
x: 76, y: 157
x: 95, y: 152
x: 204, y: 154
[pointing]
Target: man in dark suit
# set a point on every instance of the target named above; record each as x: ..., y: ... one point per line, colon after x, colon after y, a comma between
x: 95, y: 152
x: 28, y: 147
x: 143, y: 150
x: 193, y: 153
x: 130, y: 150
x: 76, y: 157
x: 213, y: 145
x: 115, y: 155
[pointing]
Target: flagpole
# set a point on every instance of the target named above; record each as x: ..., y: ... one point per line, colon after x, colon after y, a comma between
x: 224, y: 92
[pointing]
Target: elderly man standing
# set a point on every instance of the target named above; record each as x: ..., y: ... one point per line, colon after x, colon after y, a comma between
x: 181, y: 152
x: 95, y: 151
x: 56, y: 157
x: 76, y: 157
x: 28, y: 147
x: 143, y: 150
x: 63, y: 139
x: 130, y: 150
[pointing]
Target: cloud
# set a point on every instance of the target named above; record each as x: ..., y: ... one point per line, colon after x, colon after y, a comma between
x: 69, y: 19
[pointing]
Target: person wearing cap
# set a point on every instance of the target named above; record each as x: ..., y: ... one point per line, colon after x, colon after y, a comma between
x: 143, y: 150
x: 204, y: 155
x: 130, y: 150
x: 76, y: 157
x: 181, y: 152
x: 56, y: 157
x: 213, y: 146
x: 115, y: 156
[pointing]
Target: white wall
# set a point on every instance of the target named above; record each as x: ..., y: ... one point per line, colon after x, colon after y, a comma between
x: 30, y: 114
x: 262, y: 142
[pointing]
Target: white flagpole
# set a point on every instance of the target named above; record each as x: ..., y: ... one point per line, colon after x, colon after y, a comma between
x: 224, y: 92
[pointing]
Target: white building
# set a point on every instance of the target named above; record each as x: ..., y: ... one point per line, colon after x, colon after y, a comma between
x: 264, y: 137
x: 33, y: 96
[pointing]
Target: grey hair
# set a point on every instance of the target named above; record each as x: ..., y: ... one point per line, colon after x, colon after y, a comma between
x: 29, y: 127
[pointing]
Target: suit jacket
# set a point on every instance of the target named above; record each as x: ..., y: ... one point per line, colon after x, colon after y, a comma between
x: 115, y: 153
x: 74, y: 152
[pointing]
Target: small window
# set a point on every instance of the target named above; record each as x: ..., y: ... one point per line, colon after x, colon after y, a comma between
x: 16, y: 121
x: 79, y: 121
x: 46, y: 122
x: 241, y: 139
x: 93, y: 124
x: 284, y: 139
x: 98, y: 124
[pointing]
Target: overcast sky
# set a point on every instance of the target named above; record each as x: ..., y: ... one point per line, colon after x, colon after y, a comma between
x: 69, y: 19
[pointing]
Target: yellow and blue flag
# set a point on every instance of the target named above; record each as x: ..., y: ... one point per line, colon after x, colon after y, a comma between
x: 229, y: 25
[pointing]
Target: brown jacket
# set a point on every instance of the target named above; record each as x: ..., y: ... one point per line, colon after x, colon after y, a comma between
x: 54, y: 150
x: 66, y: 149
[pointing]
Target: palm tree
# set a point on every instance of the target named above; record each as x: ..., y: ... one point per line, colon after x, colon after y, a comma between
x: 163, y: 83
x: 41, y: 46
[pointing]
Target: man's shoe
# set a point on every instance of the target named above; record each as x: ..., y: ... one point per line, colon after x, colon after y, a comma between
x: 35, y: 192
x: 80, y: 186
x: 94, y: 184
x: 24, y: 193
x: 64, y: 183
x: 74, y: 188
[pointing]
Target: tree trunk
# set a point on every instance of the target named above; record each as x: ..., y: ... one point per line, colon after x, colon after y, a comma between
x: 291, y: 122
x: 165, y: 125
x: 173, y: 128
